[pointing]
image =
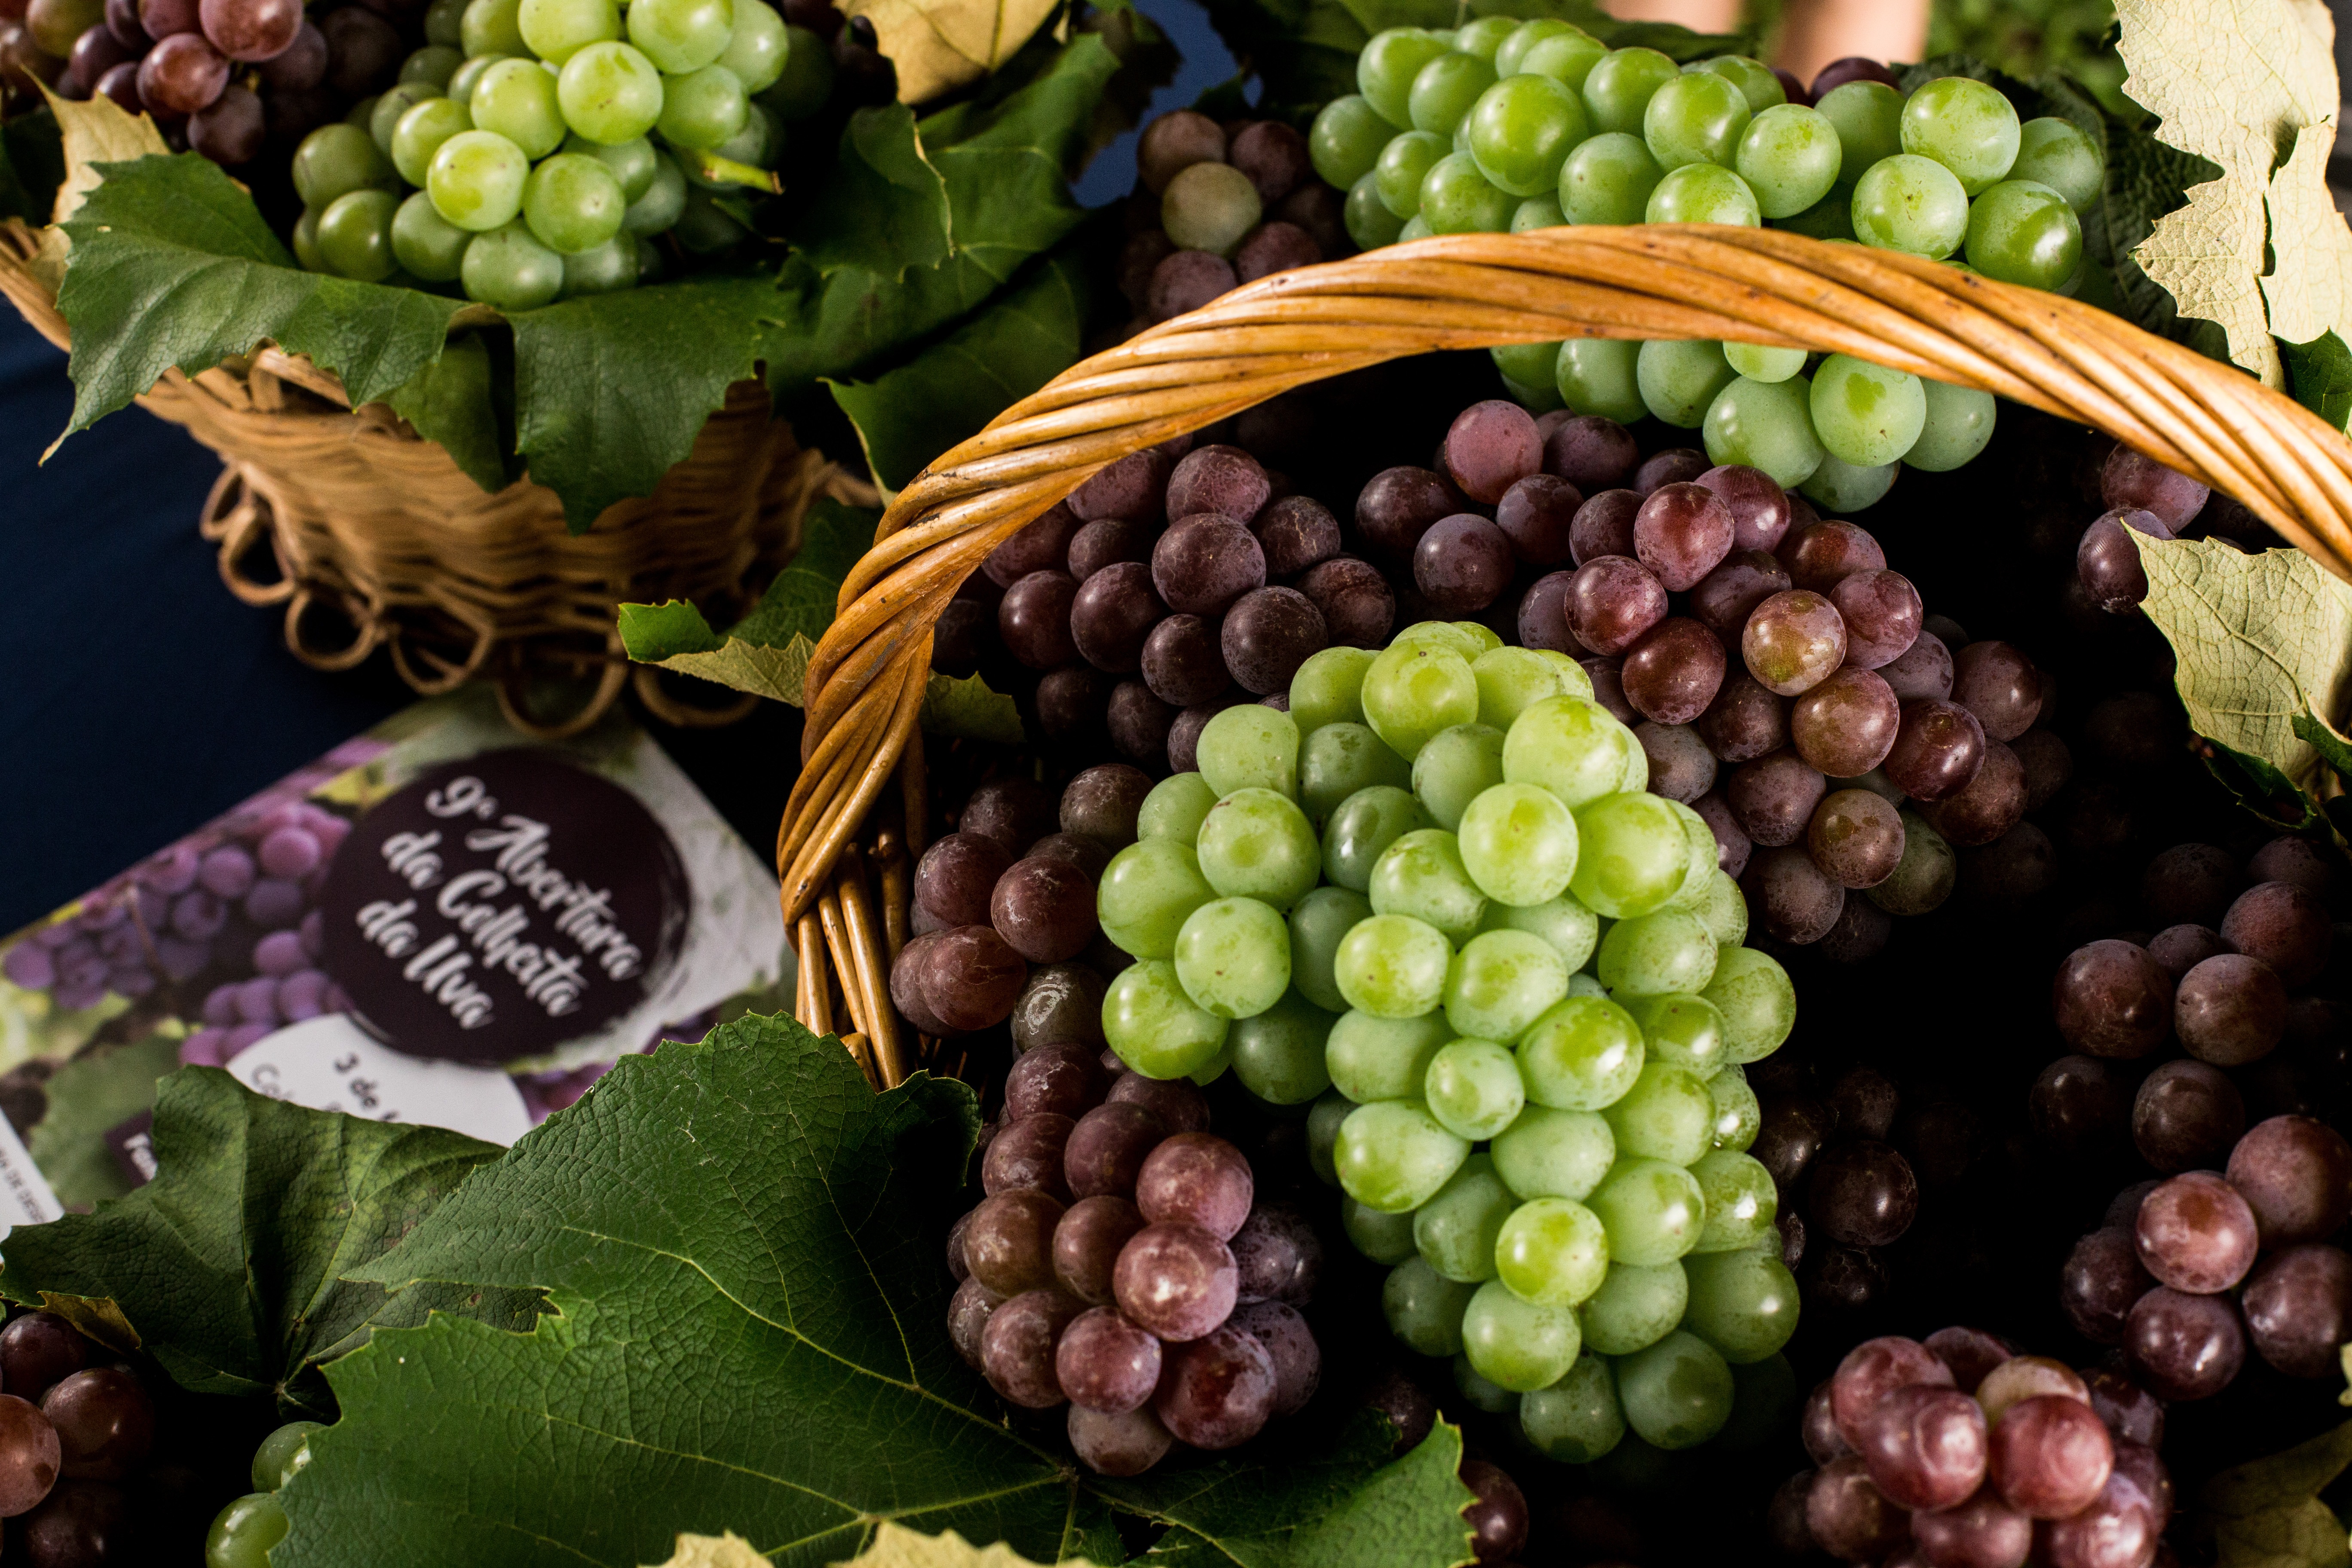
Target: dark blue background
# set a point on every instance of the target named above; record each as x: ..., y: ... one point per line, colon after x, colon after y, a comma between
x: 138, y: 699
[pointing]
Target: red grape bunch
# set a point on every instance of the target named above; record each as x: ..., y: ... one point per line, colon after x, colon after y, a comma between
x: 76, y: 1426
x: 1123, y: 1264
x: 1961, y: 1453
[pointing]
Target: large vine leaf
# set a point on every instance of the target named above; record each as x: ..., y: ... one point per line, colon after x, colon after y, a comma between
x: 2319, y: 374
x: 2267, y: 1513
x: 886, y: 207
x: 2249, y: 85
x: 229, y: 1267
x: 940, y: 44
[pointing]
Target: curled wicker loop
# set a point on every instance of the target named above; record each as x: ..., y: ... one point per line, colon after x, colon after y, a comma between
x: 516, y: 690
x: 365, y: 636
x: 238, y: 521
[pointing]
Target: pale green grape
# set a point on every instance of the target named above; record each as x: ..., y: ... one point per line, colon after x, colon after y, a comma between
x: 1742, y: 1303
x: 1455, y: 198
x: 2023, y: 232
x: 1584, y: 1054
x: 1521, y: 364
x: 1789, y: 156
x: 758, y: 144
x: 492, y: 27
x: 1608, y: 180
x: 1360, y: 832
x: 2052, y: 151
x: 1413, y: 691
x: 1837, y: 486
x: 1666, y: 1115
x: 660, y: 207
x: 1757, y: 363
x: 1636, y: 1306
x: 1677, y: 1394
x: 1387, y: 64
x: 555, y: 30
x: 354, y: 235
x: 1278, y: 1054
x: 702, y: 109
x: 1865, y: 414
x: 757, y: 46
x: 1485, y: 36
x: 1250, y: 746
x: 1393, y: 966
x: 1371, y: 1058
x: 1513, y: 680
x: 1455, y: 767
x: 1566, y: 57
x: 444, y: 23
x: 1421, y: 875
x: 1485, y: 1394
x: 1383, y: 1237
x: 1703, y: 193
x: 461, y: 81
x: 1618, y: 88
x: 573, y: 203
x: 1966, y: 125
x: 1911, y: 204
x: 1525, y: 37
x: 1683, y: 1031
x: 1540, y: 398
x: 1517, y: 1343
x: 609, y: 267
x: 420, y: 132
x: 1318, y: 922
x: 1766, y: 424
x: 1472, y: 1089
x: 1595, y: 376
x: 1697, y: 118
x: 1549, y: 1153
x: 1705, y: 854
x: 1924, y: 878
x: 1759, y: 1004
x: 1741, y: 1202
x: 1653, y: 1210
x: 1577, y: 1419
x: 682, y: 35
x: 1636, y: 776
x: 1657, y: 954
x: 1570, y: 746
x: 1257, y: 844
x: 384, y: 115
x: 1868, y: 118
x: 1329, y: 689
x: 1233, y: 957
x: 336, y: 160
x: 1737, y: 1116
x: 1679, y: 379
x: 434, y: 64
x: 1154, y: 1027
x: 1346, y: 139
x: 517, y: 98
x: 1175, y: 809
x: 1522, y: 129
x: 1444, y: 88
x: 477, y: 179
x: 1501, y: 982
x: 1147, y: 891
x: 1571, y: 930
x: 1751, y: 75
x: 609, y: 92
x: 1462, y: 637
x: 1632, y: 856
x: 1323, y: 1121
x: 1551, y: 1251
x: 1574, y: 681
x: 1393, y: 1156
x: 1454, y: 1232
x: 427, y: 245
x: 1425, y: 1309
x: 1958, y: 426
x: 1719, y: 903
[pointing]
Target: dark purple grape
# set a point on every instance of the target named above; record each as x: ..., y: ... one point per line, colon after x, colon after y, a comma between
x: 1847, y: 1515
x: 1278, y: 1254
x: 1681, y: 533
x: 1614, y: 600
x: 1938, y: 747
x: 1818, y: 1425
x: 2116, y: 1529
x: 1016, y: 812
x: 1490, y: 447
x: 2133, y: 1416
x: 2107, y: 563
x: 2298, y: 1307
x: 250, y: 30
x: 121, y: 85
x: 1290, y: 1344
x: 1063, y: 1078
x: 1106, y: 542
x: 968, y: 1314
x: 1027, y: 1155
x: 2182, y: 948
x: 1590, y: 452
x: 1790, y: 1134
x: 1396, y: 507
x: 909, y: 972
x: 1732, y: 843
x: 1728, y: 596
x: 1112, y: 613
x: 302, y: 66
x: 1791, y: 897
x: 1922, y: 671
x: 1669, y: 466
x: 1924, y: 1446
x: 1856, y: 839
x: 1842, y: 1281
x: 1852, y: 68
x: 1206, y: 560
x: 363, y: 50
x: 1273, y: 248
x: 2112, y: 998
x: 1295, y: 532
x: 1043, y: 545
x: 79, y: 1524
x: 2229, y: 1010
x: 1034, y: 618
x: 160, y: 18
x: 1106, y: 1151
x: 1981, y: 1532
x: 1218, y: 1390
x: 1105, y: 1362
x: 1137, y: 259
x: 1498, y: 1518
x: 956, y: 876
x: 1182, y: 663
x: 123, y: 21
x: 1609, y: 690
x: 1462, y: 564
x: 182, y: 74
x: 1274, y: 156
x: 965, y: 630
x: 1225, y: 480
x: 1186, y: 281
x: 1882, y: 613
x: 2284, y: 925
x: 1356, y: 604
x: 2183, y: 1346
x: 2196, y: 1234
x: 105, y: 1423
x: 1174, y: 143
x: 1603, y: 525
x: 1198, y: 1179
x: 1177, y: 1280
x: 1745, y: 722
x: 2295, y: 1173
x: 2102, y: 1277
x: 1537, y: 516
x: 1103, y: 802
x: 1775, y: 797
x: 1017, y: 1347
x: 1784, y: 1517
x: 1822, y: 554
x: 38, y: 1348
x: 1999, y: 684
x: 2078, y: 1107
x: 1681, y: 767
x: 2295, y: 860
x: 95, y: 53
x: 1073, y: 702
x: 1988, y: 805
x: 1543, y: 615
x: 1760, y: 507
x: 2189, y: 882
x: 1792, y: 641
x: 1124, y: 1445
x: 1874, y: 1369
x: 2128, y: 479
x: 1846, y: 724
x: 1862, y: 1194
x: 1672, y: 674
x: 30, y: 1458
x: 2187, y: 1116
x: 1267, y: 635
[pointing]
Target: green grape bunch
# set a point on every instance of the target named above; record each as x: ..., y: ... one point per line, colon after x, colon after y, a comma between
x: 1435, y: 902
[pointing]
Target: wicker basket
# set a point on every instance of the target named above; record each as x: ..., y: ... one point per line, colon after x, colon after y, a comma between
x: 1465, y: 291
x: 371, y: 527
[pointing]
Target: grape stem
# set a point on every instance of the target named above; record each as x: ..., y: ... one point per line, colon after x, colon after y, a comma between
x: 711, y: 166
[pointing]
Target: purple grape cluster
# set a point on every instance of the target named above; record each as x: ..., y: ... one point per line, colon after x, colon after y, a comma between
x: 78, y: 1428
x: 2142, y: 496
x: 1122, y: 1264
x: 1847, y: 1188
x: 1960, y: 1452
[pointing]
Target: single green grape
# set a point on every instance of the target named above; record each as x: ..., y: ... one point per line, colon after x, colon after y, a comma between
x: 1175, y: 808
x: 1513, y: 680
x: 1551, y: 1251
x: 1393, y: 966
x: 1566, y: 57
x: 518, y: 99
x: 1403, y: 163
x: 1455, y: 198
x: 2023, y: 232
x: 1444, y: 88
x: 1501, y: 982
x: 1257, y: 844
x: 1485, y: 36
x: 1413, y: 691
x: 420, y: 132
x: 492, y: 27
x: 1584, y: 1054
x: 1911, y: 204
x: 573, y: 203
x: 1766, y: 424
x: 1751, y: 75
x: 2052, y: 151
x: 1703, y: 193
x: 1574, y: 679
x: 1233, y: 957
x: 1525, y: 37
x: 1421, y: 875
x: 1653, y: 1210
x: 1578, y: 1419
x: 757, y: 46
x: 682, y: 35
x: 1549, y: 1152
x: 1697, y: 118
x: 1383, y: 1237
x: 444, y: 23
x: 1608, y: 180
x: 1618, y: 88
x: 1373, y: 1058
x: 1483, y: 1392
x: 1538, y: 399
x: 427, y: 245
x: 806, y: 84
x: 1361, y: 828
x: 1719, y: 903
x: 555, y: 30
x: 1370, y: 223
x: 1346, y: 139
x: 1868, y: 118
x: 1837, y: 486
x: 1318, y: 923
x: 283, y: 1454
x: 1323, y: 1120
x: 243, y: 1532
x: 1516, y: 1342
x: 1958, y: 426
x: 1684, y: 1031
x: 1474, y: 1089
x: 1329, y: 689
x: 1677, y: 1394
x: 1742, y: 1303
x: 1790, y: 156
x: 1631, y: 855
x: 1147, y: 892
x: 1741, y: 1203
x: 633, y: 163
x: 1278, y: 1054
x: 1757, y: 363
x: 1571, y: 930
x: 1865, y: 414
x: 1666, y: 1115
x: 1595, y: 376
x: 759, y: 144
x: 1758, y: 1001
x: 1738, y: 1115
x: 1386, y: 67
x: 1570, y: 746
x: 1481, y: 638
x: 702, y: 109
x: 1967, y: 126
x: 1664, y: 951
x: 604, y: 270
x: 1209, y: 206
x: 1522, y: 130
x: 1425, y: 1309
x: 354, y: 236
x: 477, y: 179
x: 1679, y: 379
x: 1636, y: 1306
x: 1250, y: 746
x: 434, y: 64
x: 336, y: 160
x: 1454, y: 1232
x: 1392, y: 1155
x: 390, y: 105
x: 1456, y: 766
x: 461, y: 83
x: 1511, y: 361
x: 508, y: 267
x: 1154, y: 1027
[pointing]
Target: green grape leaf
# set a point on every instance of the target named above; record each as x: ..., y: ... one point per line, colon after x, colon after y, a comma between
x: 2260, y: 643
x: 89, y: 1096
x: 454, y: 401
x: 2250, y: 86
x: 886, y: 208
x: 230, y: 1267
x: 2319, y: 374
x: 2267, y: 1513
x: 968, y: 710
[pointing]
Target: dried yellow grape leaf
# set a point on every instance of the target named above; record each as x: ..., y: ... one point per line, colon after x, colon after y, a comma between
x: 895, y: 1546
x: 940, y: 44
x: 728, y: 1550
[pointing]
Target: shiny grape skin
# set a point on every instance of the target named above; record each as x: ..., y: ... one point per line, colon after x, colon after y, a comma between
x: 2298, y: 1309
x: 2295, y: 1173
x: 1849, y: 1517
x: 1970, y: 1354
x: 1198, y: 1179
x: 1924, y: 1446
x: 1846, y: 724
x: 1874, y: 1369
x: 2112, y: 999
x: 1682, y: 532
x: 2284, y: 925
x: 1017, y: 1347
x: 1205, y: 562
x: 1590, y: 452
x: 1029, y: 1153
x: 2102, y: 1279
x: 1498, y: 1518
x: 2185, y: 1347
x: 2230, y: 1009
x: 1999, y: 684
x: 1396, y: 507
x: 1105, y: 1362
x: 37, y: 1349
x: 1603, y: 525
x: 1107, y: 1148
x: 1034, y: 620
x: 1760, y: 509
x: 1490, y: 447
x: 1061, y: 1076
x: 1673, y: 673
x: 1177, y: 1280
x: 1277, y: 1254
x: 1218, y: 478
x: 1121, y: 1445
x: 1938, y: 749
x: 1009, y: 1241
x: 1726, y: 597
x: 1820, y: 555
x: 1611, y: 602
x: 1774, y: 797
x: 1085, y: 1245
x: 1988, y: 805
x: 1462, y: 563
x: 1537, y: 515
x: 1863, y: 1193
x: 1269, y: 633
x: 105, y: 1423
x: 30, y: 1455
x: 2050, y: 1456
x: 1219, y: 1389
x: 2187, y: 1116
x: 1290, y: 1344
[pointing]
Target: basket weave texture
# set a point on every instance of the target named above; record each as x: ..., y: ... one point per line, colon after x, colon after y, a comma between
x: 865, y: 681
x: 365, y: 520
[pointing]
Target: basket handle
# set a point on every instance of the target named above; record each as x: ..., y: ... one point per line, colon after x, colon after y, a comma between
x: 2207, y: 419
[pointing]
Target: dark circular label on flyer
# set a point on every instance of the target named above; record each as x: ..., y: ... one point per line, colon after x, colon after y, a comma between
x: 499, y: 905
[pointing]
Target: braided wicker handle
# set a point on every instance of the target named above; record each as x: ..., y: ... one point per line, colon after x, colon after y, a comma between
x: 1463, y: 292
